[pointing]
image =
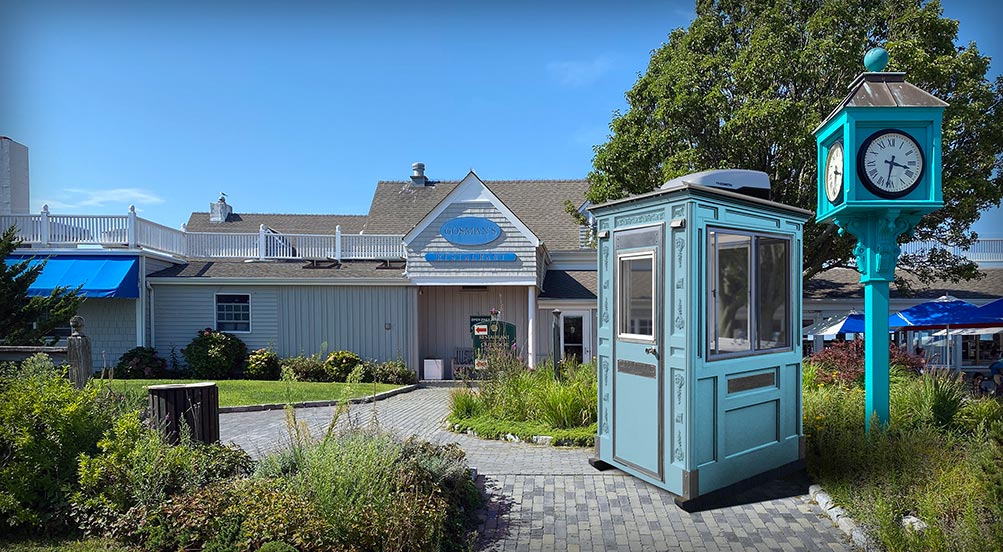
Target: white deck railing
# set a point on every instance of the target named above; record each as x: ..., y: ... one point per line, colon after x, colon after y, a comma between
x: 48, y: 230
x: 982, y: 251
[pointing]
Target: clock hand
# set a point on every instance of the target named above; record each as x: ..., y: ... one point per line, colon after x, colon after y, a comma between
x: 890, y: 167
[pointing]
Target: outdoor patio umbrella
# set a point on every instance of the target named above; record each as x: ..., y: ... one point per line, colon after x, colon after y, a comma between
x: 851, y: 322
x: 942, y: 313
x: 992, y: 310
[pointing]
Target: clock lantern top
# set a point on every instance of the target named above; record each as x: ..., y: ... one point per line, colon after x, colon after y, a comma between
x: 880, y: 148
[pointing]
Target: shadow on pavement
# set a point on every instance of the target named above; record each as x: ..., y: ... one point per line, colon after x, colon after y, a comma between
x: 792, y: 484
x: 495, y: 524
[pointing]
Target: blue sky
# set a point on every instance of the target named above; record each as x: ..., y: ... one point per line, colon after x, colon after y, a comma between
x: 303, y: 111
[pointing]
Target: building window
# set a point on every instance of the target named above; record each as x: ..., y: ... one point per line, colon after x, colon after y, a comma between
x: 233, y: 312
x: 749, y: 293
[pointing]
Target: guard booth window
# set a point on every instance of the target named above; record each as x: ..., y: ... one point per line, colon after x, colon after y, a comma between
x: 749, y: 293
x: 637, y: 297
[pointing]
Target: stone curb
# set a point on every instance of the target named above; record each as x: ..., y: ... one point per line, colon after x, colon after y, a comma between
x: 311, y: 404
x: 842, y: 520
x: 542, y: 440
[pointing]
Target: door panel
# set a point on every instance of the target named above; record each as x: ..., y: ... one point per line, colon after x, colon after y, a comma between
x: 637, y: 375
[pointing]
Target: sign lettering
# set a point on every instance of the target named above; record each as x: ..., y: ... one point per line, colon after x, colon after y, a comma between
x: 440, y: 257
x: 470, y: 231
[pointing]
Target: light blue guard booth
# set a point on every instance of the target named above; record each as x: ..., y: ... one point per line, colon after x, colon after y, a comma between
x: 699, y: 348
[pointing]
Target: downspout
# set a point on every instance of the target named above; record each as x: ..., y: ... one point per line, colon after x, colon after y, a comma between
x: 153, y: 318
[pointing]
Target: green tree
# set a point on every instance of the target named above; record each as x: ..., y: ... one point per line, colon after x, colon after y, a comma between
x: 748, y: 81
x: 27, y: 320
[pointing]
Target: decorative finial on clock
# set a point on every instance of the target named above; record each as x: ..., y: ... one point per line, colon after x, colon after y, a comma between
x: 876, y: 59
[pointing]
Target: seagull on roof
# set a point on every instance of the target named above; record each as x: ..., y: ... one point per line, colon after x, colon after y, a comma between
x: 222, y: 197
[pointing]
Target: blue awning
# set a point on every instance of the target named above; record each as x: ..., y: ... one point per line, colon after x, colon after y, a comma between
x: 98, y: 276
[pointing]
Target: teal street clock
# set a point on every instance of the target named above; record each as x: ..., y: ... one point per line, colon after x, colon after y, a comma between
x: 879, y: 173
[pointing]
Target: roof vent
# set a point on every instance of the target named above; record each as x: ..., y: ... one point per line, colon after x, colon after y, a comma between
x: 220, y: 211
x: 741, y: 181
x: 418, y: 178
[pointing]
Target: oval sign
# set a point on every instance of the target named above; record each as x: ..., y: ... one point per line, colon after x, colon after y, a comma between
x: 470, y: 231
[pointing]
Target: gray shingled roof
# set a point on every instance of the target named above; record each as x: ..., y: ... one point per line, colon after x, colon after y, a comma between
x: 569, y: 284
x: 290, y: 224
x: 844, y: 283
x: 207, y: 268
x: 397, y: 206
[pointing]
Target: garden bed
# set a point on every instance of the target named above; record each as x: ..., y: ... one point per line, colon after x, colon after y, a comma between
x: 515, y: 403
x: 939, y: 460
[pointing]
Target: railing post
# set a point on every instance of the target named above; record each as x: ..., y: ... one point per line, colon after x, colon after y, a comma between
x: 43, y: 225
x: 337, y: 243
x: 261, y: 242
x: 131, y: 227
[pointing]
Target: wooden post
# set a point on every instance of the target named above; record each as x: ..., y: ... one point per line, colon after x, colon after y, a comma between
x: 78, y: 353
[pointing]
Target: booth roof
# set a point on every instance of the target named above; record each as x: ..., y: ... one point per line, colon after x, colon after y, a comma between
x: 844, y: 283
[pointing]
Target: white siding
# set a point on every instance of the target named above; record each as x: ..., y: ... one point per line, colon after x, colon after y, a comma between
x: 182, y: 310
x: 111, y: 325
x: 511, y: 241
x: 295, y: 320
x: 352, y: 318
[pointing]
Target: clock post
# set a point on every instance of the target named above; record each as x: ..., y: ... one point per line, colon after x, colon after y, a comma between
x: 879, y: 169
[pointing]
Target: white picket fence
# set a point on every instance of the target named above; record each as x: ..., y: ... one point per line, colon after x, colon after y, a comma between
x: 48, y: 230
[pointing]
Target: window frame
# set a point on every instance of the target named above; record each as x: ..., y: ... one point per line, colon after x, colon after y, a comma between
x: 753, y: 293
x: 650, y: 253
x: 250, y: 312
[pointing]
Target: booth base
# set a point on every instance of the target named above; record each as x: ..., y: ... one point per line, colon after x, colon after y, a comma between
x: 721, y: 497
x: 600, y: 465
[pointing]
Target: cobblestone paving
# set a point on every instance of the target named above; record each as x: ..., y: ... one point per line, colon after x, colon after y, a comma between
x: 550, y: 498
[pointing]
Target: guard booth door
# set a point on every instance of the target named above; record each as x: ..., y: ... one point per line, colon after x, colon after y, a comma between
x: 638, y: 371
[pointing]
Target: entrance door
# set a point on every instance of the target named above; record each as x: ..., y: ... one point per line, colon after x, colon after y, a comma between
x: 576, y: 335
x: 637, y: 376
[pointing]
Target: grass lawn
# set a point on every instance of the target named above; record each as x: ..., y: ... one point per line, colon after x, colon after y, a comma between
x: 246, y: 392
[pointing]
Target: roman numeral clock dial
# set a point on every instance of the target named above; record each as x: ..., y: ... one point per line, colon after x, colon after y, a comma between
x: 890, y: 164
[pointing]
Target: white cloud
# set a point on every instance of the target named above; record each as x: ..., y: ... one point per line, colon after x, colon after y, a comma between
x: 111, y: 200
x: 580, y: 73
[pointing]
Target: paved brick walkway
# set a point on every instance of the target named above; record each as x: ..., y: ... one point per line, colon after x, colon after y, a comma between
x: 549, y: 498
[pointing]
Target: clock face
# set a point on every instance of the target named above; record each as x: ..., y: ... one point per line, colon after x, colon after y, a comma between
x: 834, y: 173
x: 890, y: 163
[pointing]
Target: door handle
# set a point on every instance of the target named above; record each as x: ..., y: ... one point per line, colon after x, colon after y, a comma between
x: 652, y: 350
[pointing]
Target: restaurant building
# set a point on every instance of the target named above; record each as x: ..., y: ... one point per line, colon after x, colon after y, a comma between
x: 404, y: 281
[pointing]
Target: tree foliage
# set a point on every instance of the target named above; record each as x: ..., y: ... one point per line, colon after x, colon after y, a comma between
x: 28, y: 320
x: 748, y: 81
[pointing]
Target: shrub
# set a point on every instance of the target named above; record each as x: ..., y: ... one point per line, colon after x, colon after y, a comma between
x: 277, y: 546
x: 842, y: 363
x: 365, y: 372
x: 237, y: 514
x: 305, y: 368
x: 934, y: 399
x: 45, y: 423
x: 395, y: 372
x: 379, y: 493
x: 465, y: 403
x: 140, y: 362
x: 979, y: 414
x: 215, y: 355
x: 340, y: 364
x: 136, y: 466
x: 263, y: 364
